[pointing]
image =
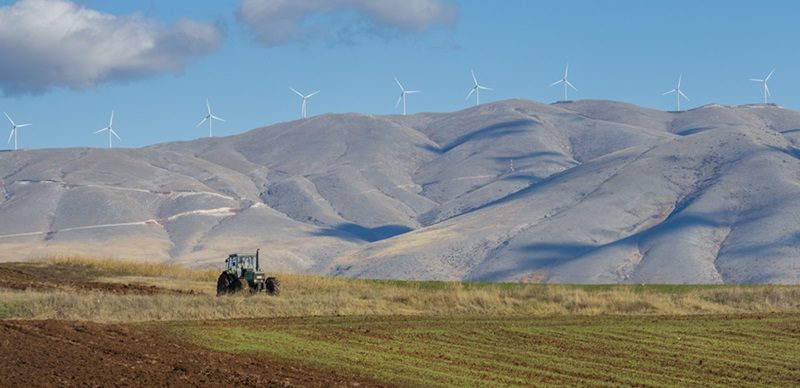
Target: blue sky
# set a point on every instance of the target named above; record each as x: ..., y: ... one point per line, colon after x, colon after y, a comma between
x: 628, y: 51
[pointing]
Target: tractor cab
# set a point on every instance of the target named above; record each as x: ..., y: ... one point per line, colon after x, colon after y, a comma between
x: 243, y: 262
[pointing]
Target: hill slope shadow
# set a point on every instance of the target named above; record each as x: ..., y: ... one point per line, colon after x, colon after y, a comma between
x: 355, y: 232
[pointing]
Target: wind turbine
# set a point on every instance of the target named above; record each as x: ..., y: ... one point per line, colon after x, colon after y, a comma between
x: 14, y: 129
x: 565, y: 81
x: 210, y: 117
x: 476, y: 88
x: 305, y: 100
x: 403, y: 93
x: 678, y: 93
x: 110, y: 129
x: 764, y: 81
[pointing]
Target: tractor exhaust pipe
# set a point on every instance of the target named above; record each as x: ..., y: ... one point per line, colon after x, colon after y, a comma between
x: 258, y: 266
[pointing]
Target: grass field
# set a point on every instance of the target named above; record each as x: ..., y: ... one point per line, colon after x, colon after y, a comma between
x: 305, y: 296
x: 435, y: 333
x: 713, y: 350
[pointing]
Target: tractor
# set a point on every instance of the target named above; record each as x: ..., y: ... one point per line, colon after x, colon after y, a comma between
x: 243, y: 273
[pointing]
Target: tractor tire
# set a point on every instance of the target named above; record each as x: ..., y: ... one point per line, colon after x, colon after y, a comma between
x: 240, y: 285
x: 223, y: 284
x: 273, y: 286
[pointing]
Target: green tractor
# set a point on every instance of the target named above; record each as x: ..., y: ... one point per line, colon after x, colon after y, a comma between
x: 243, y: 273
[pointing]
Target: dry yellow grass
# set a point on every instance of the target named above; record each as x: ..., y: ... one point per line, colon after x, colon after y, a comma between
x: 321, y: 296
x: 131, y: 268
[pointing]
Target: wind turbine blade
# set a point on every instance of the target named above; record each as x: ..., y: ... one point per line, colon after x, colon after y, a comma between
x: 470, y: 93
x: 683, y: 95
x: 484, y: 87
x: 756, y: 80
x: 208, y: 106
x: 669, y: 92
x: 413, y: 91
x: 312, y: 94
x: 680, y: 77
x: 399, y: 84
x: 769, y: 75
x: 203, y: 121
x: 218, y: 118
x: 566, y: 71
x: 111, y: 120
x: 399, y: 99
x: 473, y: 77
x: 298, y: 93
x: 9, y: 118
x: 100, y: 130
x: 557, y: 82
x: 766, y: 88
x: 10, y: 135
x: 24, y: 125
x: 115, y: 134
x: 570, y: 85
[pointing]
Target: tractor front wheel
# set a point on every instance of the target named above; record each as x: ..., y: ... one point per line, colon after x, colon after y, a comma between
x: 240, y: 285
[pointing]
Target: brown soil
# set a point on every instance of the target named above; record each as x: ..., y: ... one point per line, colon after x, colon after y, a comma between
x: 61, y: 353
x: 18, y: 277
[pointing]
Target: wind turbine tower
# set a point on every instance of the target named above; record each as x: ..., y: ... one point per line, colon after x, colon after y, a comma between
x: 305, y: 98
x: 566, y: 82
x: 476, y: 88
x: 210, y: 117
x: 678, y: 94
x: 764, y: 81
x: 109, y: 129
x: 14, y: 129
x: 403, y: 93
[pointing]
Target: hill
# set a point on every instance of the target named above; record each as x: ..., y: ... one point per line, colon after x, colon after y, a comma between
x: 578, y: 192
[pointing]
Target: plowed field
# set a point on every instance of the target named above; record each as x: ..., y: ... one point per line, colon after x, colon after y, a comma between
x: 23, y: 277
x: 59, y: 353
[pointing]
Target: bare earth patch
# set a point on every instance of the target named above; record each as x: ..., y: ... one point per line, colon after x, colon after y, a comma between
x: 24, y: 277
x: 62, y: 353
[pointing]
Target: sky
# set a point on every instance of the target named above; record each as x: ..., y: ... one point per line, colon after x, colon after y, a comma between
x: 65, y: 65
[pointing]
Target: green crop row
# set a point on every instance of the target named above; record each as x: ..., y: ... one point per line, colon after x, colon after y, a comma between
x: 712, y: 350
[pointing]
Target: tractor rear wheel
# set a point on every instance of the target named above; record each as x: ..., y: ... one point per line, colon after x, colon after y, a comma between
x: 222, y: 284
x: 273, y: 286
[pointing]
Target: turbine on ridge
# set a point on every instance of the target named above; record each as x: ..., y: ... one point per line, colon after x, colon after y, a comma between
x: 305, y: 100
x: 476, y: 88
x: 764, y: 81
x: 566, y: 82
x: 109, y: 129
x: 678, y: 94
x: 14, y: 130
x: 403, y: 93
x: 210, y: 117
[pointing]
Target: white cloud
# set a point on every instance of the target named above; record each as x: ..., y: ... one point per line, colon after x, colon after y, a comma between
x: 275, y: 22
x: 53, y: 43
